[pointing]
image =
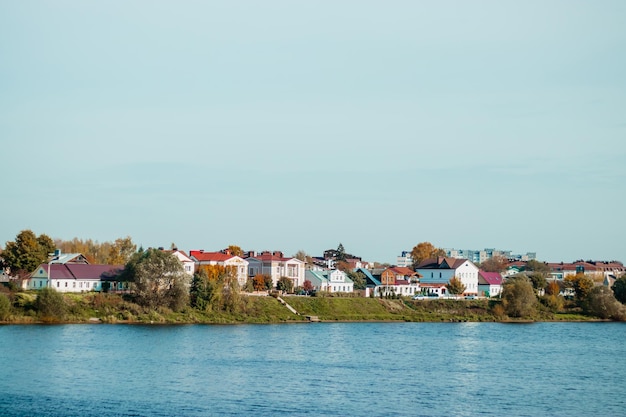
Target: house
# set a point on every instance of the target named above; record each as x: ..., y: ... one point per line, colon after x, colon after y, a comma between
x: 441, y: 270
x: 332, y: 280
x: 439, y: 290
x: 222, y: 258
x: 187, y: 263
x: 276, y: 265
x: 489, y: 284
x: 71, y: 277
x: 372, y: 283
x: 399, y: 280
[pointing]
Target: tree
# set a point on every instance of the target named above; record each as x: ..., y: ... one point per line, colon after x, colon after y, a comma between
x: 619, y: 289
x: 553, y: 288
x: 121, y: 251
x: 235, y: 250
x: 307, y: 286
x: 27, y: 252
x: 5, y: 307
x: 358, y: 278
x: 455, y: 286
x: 341, y: 253
x: 157, y: 277
x: 259, y: 283
x: 425, y: 250
x: 601, y: 303
x: 215, y: 287
x: 539, y: 281
x: 50, y: 305
x: 494, y: 264
x: 581, y: 283
x: 536, y: 266
x: 284, y: 284
x: 518, y: 297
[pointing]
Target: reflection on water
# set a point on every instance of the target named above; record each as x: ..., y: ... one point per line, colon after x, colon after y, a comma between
x: 357, y: 369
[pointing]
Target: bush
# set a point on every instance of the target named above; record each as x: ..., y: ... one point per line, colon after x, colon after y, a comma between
x: 50, y: 305
x: 553, y: 302
x: 5, y: 307
x: 601, y: 303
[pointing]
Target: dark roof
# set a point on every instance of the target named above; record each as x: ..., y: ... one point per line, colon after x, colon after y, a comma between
x: 441, y: 263
x: 82, y: 271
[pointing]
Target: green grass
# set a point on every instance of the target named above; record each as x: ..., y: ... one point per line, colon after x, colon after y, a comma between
x: 111, y: 308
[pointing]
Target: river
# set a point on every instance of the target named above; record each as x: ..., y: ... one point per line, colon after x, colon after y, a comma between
x: 314, y: 369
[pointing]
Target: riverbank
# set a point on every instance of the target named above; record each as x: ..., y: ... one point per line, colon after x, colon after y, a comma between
x: 113, y: 308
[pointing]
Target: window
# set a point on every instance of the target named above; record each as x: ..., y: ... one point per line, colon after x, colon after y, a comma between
x: 58, y: 284
x: 65, y: 284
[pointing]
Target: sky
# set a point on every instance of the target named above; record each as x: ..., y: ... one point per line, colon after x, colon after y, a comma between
x: 299, y: 125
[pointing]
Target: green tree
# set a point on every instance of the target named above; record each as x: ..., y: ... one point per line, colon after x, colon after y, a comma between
x: 341, y: 253
x: 285, y: 284
x: 601, y: 303
x: 216, y: 288
x: 536, y: 266
x: 518, y: 297
x: 269, y: 283
x: 425, y: 250
x: 157, y: 277
x: 358, y: 277
x: 50, y: 305
x: 539, y: 281
x: 619, y: 289
x: 27, y: 252
x: 455, y: 286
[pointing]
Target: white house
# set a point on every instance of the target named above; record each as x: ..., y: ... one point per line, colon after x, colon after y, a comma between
x: 441, y: 270
x: 71, y: 277
x: 276, y: 266
x: 332, y: 280
x: 489, y: 284
x: 222, y: 258
x: 187, y: 263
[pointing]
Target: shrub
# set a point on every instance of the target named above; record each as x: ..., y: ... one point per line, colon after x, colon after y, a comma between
x: 50, y: 305
x: 5, y: 307
x: 553, y: 302
x: 601, y: 303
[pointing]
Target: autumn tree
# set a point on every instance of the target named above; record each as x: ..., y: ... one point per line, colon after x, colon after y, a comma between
x: 235, y: 250
x: 307, y: 286
x: 518, y: 297
x: 215, y: 287
x: 259, y: 283
x: 455, y: 286
x: 121, y: 251
x: 158, y: 278
x: 619, y: 289
x: 494, y: 264
x: 425, y: 250
x: 553, y: 288
x: 27, y: 252
x: 581, y: 284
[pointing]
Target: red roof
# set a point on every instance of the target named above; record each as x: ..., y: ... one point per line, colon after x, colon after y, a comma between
x: 490, y: 278
x: 202, y: 256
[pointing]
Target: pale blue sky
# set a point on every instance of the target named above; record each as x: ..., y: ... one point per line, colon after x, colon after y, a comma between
x: 288, y: 125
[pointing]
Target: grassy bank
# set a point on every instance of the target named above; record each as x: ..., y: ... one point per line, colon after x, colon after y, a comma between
x: 112, y: 308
